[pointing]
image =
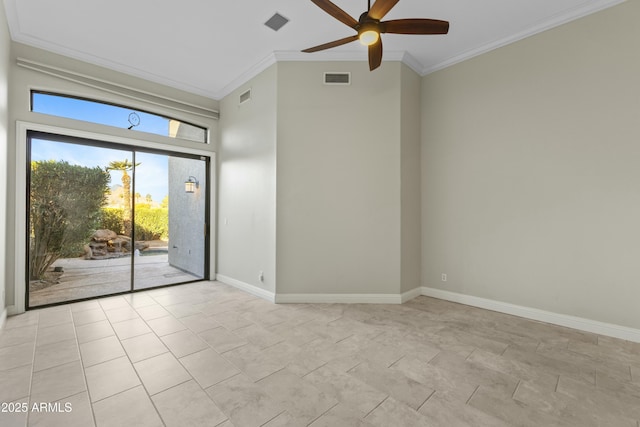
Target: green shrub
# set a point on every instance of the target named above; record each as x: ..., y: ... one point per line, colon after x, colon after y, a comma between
x: 150, y: 223
x: 113, y: 219
x: 64, y: 210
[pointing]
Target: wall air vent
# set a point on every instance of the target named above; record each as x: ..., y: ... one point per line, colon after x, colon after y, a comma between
x: 276, y: 22
x: 245, y: 96
x: 331, y: 78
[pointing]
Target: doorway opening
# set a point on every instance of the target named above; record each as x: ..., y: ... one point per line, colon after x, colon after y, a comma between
x: 106, y: 218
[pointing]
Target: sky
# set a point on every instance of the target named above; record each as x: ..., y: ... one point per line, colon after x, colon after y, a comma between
x: 151, y: 175
x: 95, y: 112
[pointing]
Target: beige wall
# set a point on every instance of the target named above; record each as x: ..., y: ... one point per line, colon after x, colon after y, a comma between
x: 247, y: 183
x: 319, y: 184
x: 338, y: 196
x: 410, y: 137
x: 4, y: 99
x: 530, y: 171
x: 147, y: 96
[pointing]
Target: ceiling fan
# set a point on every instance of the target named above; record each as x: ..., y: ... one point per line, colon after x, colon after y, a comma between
x: 369, y: 27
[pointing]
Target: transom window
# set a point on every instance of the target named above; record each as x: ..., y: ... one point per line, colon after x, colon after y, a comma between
x: 119, y: 116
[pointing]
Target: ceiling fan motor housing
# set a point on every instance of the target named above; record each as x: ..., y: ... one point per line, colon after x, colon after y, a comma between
x: 368, y: 29
x: 366, y: 23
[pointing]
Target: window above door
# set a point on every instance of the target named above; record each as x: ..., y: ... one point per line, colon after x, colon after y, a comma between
x: 114, y: 115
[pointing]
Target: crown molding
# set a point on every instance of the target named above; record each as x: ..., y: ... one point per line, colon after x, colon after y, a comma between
x: 323, y: 56
x: 246, y: 76
x: 327, y: 56
x: 555, y: 21
x: 111, y: 65
x: 411, y: 62
x: 566, y: 16
x: 338, y: 56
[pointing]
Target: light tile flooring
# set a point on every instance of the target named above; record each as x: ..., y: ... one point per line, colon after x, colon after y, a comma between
x: 206, y: 354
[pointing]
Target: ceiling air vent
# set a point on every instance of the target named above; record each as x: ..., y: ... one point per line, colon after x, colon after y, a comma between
x: 245, y: 96
x: 337, y: 78
x: 276, y: 22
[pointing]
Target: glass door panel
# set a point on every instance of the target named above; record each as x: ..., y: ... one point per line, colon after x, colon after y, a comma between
x: 79, y: 218
x: 169, y: 218
x: 107, y: 219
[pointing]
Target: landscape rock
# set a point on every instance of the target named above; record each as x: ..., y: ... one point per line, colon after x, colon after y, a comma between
x: 103, y: 235
x: 107, y: 244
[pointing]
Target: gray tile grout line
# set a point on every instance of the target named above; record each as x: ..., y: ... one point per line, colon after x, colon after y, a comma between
x: 180, y: 362
x: 403, y: 356
x: 33, y: 364
x: 116, y: 394
x: 173, y: 386
x: 265, y: 377
x: 84, y: 372
x: 315, y: 369
x: 505, y: 350
x: 472, y: 351
x: 472, y: 394
x: 322, y: 414
x: 133, y: 367
x: 268, y: 421
x: 377, y: 406
x: 426, y: 400
x: 513, y: 395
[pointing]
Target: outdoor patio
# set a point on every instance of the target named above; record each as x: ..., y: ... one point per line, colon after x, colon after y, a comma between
x: 91, y: 278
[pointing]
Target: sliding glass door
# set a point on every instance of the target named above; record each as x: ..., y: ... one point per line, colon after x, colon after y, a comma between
x: 172, y: 237
x: 106, y: 219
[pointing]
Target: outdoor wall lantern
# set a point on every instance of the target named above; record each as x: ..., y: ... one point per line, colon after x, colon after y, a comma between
x: 191, y: 184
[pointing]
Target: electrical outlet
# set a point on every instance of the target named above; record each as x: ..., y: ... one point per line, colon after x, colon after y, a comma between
x: 444, y: 277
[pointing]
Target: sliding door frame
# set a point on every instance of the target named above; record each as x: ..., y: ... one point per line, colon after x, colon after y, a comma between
x: 23, y: 166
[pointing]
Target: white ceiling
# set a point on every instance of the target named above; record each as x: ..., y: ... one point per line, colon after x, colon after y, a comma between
x: 210, y: 47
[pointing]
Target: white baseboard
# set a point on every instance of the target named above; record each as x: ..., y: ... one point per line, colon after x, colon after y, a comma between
x: 409, y: 295
x: 587, y: 325
x: 320, y: 298
x: 254, y: 290
x: 3, y: 318
x: 338, y: 298
x: 12, y: 310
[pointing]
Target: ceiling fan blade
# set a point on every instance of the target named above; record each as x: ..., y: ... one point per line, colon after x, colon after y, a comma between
x: 375, y: 55
x: 336, y: 12
x: 332, y: 44
x: 415, y: 26
x: 380, y: 8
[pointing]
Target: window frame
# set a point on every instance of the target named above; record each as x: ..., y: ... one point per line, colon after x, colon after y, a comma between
x: 32, y: 92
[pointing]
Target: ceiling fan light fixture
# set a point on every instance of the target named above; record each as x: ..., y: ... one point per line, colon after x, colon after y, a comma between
x: 370, y: 26
x: 369, y: 37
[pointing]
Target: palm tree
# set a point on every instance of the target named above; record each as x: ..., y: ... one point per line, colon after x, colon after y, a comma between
x: 125, y: 166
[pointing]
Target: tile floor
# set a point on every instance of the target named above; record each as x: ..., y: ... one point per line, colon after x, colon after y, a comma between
x: 206, y: 354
